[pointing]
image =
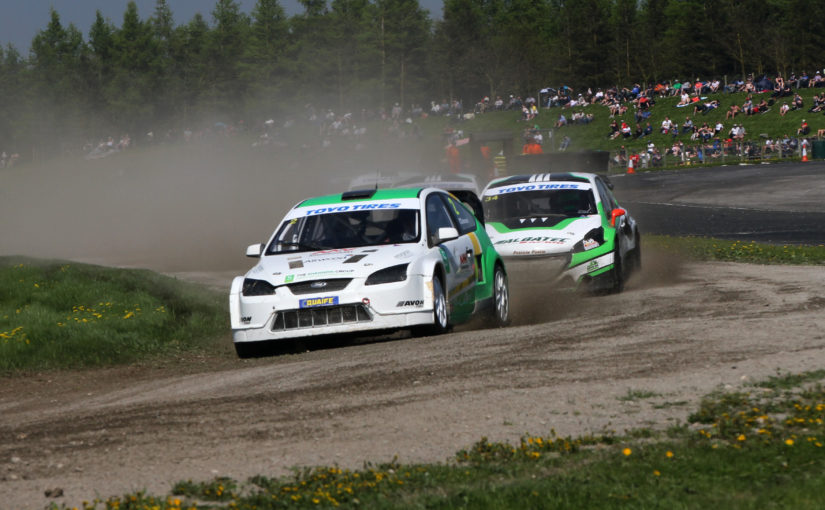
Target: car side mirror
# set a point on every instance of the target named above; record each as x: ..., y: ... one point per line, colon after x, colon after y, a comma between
x: 615, y: 213
x: 446, y: 234
x: 254, y: 250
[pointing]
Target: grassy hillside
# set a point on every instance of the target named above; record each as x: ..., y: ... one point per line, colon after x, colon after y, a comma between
x: 594, y: 135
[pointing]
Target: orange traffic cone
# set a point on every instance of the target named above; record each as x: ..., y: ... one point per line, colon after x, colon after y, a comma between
x: 630, y: 169
x: 804, y: 154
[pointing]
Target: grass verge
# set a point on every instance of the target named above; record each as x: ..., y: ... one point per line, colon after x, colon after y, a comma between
x: 762, y: 448
x: 708, y: 248
x: 58, y: 315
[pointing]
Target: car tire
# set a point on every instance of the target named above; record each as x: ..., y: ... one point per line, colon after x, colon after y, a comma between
x: 441, y: 308
x: 619, y: 273
x: 441, y: 312
x: 501, y: 298
x: 637, y: 254
x: 246, y: 350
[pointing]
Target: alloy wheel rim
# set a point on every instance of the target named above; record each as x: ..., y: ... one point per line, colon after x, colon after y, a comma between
x: 502, y: 297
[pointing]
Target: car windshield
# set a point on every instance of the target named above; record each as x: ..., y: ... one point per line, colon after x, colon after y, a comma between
x: 550, y: 205
x: 351, y: 229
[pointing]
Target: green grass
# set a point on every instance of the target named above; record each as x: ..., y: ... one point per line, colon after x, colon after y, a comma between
x: 58, y: 315
x: 701, y: 248
x: 762, y: 449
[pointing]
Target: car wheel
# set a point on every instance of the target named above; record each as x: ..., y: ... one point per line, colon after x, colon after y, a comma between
x: 501, y: 297
x: 248, y: 349
x: 637, y: 254
x: 618, y: 269
x: 441, y: 315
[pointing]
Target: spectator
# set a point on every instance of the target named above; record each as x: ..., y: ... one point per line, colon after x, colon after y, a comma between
x: 797, y: 103
x: 804, y: 129
x: 762, y: 107
x: 614, y: 130
x: 784, y: 109
x: 626, y: 131
x: 687, y: 125
x: 705, y: 107
x: 666, y: 125
x: 562, y: 121
x: 747, y: 107
x: 803, y: 80
x: 565, y: 143
x: 648, y: 130
x: 816, y: 81
x: 732, y: 111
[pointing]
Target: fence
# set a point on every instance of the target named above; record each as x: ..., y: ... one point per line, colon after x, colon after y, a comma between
x: 720, y: 153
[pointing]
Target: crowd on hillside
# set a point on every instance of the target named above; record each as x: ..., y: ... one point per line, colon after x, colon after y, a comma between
x: 696, y: 98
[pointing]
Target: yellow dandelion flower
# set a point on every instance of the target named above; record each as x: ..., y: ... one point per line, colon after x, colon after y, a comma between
x: 789, y: 442
x: 627, y: 452
x: 129, y: 315
x: 741, y: 437
x: 669, y: 454
x: 656, y: 472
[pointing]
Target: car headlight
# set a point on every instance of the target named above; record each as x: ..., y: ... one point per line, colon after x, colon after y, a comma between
x: 257, y: 288
x: 388, y: 275
x: 592, y: 239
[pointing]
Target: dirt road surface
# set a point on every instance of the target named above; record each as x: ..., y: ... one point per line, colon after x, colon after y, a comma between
x: 679, y: 331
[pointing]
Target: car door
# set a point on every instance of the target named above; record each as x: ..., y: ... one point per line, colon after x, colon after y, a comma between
x: 458, y: 256
x: 624, y: 228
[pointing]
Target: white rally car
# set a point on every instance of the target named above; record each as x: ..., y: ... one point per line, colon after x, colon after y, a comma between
x: 371, y: 260
x: 562, y: 230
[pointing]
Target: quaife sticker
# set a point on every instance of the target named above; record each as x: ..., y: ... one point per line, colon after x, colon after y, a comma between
x: 319, y: 301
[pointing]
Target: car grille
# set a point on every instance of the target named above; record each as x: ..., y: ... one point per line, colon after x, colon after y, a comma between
x: 331, y: 285
x: 324, y: 316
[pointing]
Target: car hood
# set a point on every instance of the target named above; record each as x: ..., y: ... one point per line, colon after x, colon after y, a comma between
x: 321, y: 265
x: 535, y: 241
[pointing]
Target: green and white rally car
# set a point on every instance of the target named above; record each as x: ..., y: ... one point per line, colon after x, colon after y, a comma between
x: 565, y: 230
x: 372, y: 260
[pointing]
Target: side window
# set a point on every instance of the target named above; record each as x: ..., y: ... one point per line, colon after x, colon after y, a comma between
x: 608, y: 202
x: 437, y: 216
x: 466, y: 220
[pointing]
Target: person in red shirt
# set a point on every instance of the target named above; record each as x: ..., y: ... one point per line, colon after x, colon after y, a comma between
x: 531, y: 147
x: 453, y: 158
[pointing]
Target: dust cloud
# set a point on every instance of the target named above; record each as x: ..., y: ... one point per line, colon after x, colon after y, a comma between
x: 188, y: 207
x: 538, y: 304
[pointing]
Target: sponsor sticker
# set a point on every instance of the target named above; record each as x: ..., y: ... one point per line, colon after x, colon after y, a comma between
x: 592, y: 266
x: 536, y: 239
x: 589, y: 244
x: 354, y: 207
x: 534, y: 187
x: 288, y: 278
x: 319, y: 301
x: 418, y: 303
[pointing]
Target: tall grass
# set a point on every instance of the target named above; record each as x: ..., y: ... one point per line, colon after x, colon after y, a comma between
x: 56, y: 315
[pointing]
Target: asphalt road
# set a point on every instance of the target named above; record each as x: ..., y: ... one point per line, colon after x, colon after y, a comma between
x: 777, y: 204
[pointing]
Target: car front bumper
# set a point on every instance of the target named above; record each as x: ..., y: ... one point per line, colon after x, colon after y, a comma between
x: 357, y: 308
x: 555, y: 272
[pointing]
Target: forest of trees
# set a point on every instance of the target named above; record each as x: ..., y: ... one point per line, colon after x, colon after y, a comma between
x: 151, y: 71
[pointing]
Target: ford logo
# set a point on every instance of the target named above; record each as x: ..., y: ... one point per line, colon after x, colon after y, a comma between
x: 318, y: 285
